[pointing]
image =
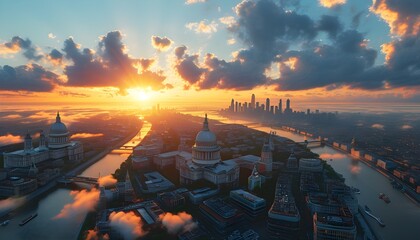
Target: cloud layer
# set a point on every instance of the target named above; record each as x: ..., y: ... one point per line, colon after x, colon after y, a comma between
x: 177, y: 223
x: 128, y: 224
x: 83, y: 201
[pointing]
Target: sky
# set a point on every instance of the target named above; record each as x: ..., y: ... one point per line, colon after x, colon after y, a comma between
x: 206, y: 52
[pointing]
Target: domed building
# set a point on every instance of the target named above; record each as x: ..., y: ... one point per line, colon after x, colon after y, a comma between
x: 206, y: 162
x: 58, y: 150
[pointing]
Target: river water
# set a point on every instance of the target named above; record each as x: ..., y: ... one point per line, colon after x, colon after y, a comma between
x: 44, y: 226
x: 401, y: 216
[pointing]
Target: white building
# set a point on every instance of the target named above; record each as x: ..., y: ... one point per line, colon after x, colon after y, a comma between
x: 255, y: 179
x: 206, y: 162
x: 59, y: 148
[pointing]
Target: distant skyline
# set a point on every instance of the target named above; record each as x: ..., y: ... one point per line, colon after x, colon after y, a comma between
x: 196, y: 51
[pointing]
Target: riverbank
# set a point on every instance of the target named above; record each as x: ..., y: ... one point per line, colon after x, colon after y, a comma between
x: 410, y: 193
x: 39, y: 192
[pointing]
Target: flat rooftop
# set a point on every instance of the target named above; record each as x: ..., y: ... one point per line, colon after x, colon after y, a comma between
x: 248, y: 197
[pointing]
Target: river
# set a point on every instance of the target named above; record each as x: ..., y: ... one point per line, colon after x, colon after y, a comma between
x: 44, y: 226
x: 401, y: 216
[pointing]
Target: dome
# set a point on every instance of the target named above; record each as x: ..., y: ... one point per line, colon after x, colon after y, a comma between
x: 58, y: 127
x: 205, y: 137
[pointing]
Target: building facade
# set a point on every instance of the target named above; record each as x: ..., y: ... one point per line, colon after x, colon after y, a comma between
x: 59, y: 148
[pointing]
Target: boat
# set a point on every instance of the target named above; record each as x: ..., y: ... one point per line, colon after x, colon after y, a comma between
x: 26, y: 220
x: 384, y: 197
x: 355, y: 190
x: 5, y: 223
x: 378, y: 219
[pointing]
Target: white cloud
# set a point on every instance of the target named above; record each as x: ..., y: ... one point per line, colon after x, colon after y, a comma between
x: 202, y: 26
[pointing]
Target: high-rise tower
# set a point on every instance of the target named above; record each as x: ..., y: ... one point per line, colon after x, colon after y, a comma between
x: 232, y: 105
x: 253, y: 101
x: 280, y: 106
x: 287, y: 104
x: 267, y: 105
x: 27, y: 143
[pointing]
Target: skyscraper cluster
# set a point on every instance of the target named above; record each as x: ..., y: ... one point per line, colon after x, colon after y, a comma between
x: 256, y: 107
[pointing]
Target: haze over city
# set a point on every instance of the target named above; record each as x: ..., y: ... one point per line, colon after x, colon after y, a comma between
x: 209, y: 119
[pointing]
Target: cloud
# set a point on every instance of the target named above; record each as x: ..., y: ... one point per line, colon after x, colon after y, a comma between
x: 55, y: 56
x: 231, y: 41
x: 203, y: 26
x: 378, y: 126
x: 111, y: 66
x: 94, y: 235
x: 331, y: 3
x: 73, y: 94
x: 355, y: 169
x: 51, y: 36
x: 30, y: 77
x: 83, y: 201
x: 161, y: 44
x: 86, y: 135
x: 406, y: 127
x: 402, y: 16
x: 189, y: 2
x: 10, y: 139
x: 229, y: 21
x: 128, y: 224
x: 107, y: 181
x: 11, y: 203
x: 178, y: 223
x: 16, y: 44
x: 330, y: 24
x: 327, y: 156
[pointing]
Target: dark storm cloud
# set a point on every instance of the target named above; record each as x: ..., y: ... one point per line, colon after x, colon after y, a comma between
x: 17, y: 43
x: 111, y: 66
x: 270, y: 33
x: 355, y: 21
x: 31, y: 77
x: 265, y: 27
x: 330, y: 24
x: 320, y: 65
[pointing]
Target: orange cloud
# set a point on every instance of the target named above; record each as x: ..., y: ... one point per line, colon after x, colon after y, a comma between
x: 94, y: 235
x: 406, y: 127
x: 107, y: 181
x: 10, y: 139
x: 86, y: 135
x: 388, y: 49
x: 180, y: 222
x: 128, y: 224
x: 9, y: 49
x: 331, y: 3
x: 400, y: 24
x: 332, y: 156
x: 11, y: 203
x: 83, y: 201
x: 378, y: 126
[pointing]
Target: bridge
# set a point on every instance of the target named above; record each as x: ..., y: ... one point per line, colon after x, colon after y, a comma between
x: 78, y: 179
x: 312, y: 143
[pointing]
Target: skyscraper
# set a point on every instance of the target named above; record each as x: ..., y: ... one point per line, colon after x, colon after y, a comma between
x: 267, y: 105
x: 232, y: 105
x: 236, y: 106
x: 280, y: 106
x: 253, y: 101
x: 287, y: 104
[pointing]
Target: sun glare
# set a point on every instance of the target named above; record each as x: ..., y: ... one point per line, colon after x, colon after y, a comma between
x: 140, y: 94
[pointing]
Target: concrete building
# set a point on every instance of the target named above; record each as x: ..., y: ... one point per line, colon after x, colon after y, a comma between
x: 59, y: 149
x: 334, y: 227
x: 221, y: 216
x: 199, y: 195
x: 252, y: 205
x: 292, y: 163
x: 206, y: 162
x: 283, y: 217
